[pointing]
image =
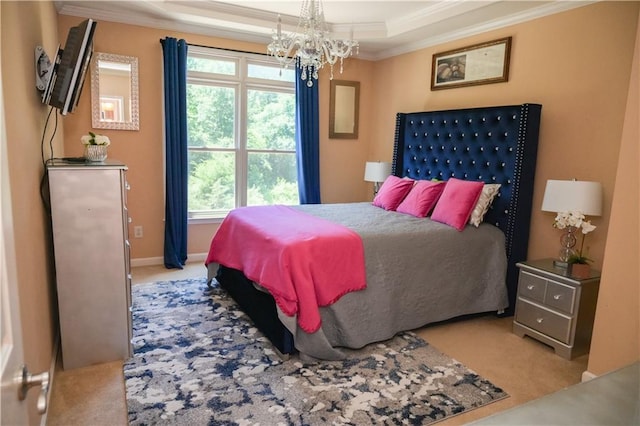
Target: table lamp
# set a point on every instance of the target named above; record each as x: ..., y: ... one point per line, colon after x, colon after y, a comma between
x: 571, y: 196
x: 376, y: 172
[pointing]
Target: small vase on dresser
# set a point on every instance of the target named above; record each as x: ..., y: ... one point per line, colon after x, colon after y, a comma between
x: 95, y: 152
x: 95, y: 147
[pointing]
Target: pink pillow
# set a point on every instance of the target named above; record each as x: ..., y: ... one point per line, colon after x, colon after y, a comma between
x: 421, y: 198
x: 457, y: 202
x: 392, y: 192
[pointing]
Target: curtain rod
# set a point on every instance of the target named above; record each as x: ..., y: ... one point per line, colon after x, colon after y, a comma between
x: 223, y: 48
x: 227, y: 49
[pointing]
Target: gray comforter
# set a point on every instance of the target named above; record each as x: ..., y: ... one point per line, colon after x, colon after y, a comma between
x: 418, y: 272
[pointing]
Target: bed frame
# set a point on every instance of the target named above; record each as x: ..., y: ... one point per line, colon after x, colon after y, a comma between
x: 491, y: 144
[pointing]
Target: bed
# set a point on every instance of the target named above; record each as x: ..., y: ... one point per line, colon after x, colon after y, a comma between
x: 412, y: 280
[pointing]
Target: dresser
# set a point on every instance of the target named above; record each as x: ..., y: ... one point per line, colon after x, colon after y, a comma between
x: 555, y: 307
x: 89, y: 222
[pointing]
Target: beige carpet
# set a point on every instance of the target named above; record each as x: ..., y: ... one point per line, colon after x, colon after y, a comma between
x: 523, y: 367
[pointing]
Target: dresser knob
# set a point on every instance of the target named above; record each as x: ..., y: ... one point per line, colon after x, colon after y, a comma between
x: 557, y: 297
x: 539, y: 320
x: 530, y: 287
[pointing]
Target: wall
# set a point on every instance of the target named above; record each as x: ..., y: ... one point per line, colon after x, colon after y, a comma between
x: 576, y: 64
x: 341, y: 163
x: 25, y: 118
x: 616, y: 334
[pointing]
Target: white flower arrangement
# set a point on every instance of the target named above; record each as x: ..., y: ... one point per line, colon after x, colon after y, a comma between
x: 93, y: 139
x: 576, y: 220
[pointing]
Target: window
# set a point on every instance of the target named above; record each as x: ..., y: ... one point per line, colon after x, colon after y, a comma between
x: 241, y: 132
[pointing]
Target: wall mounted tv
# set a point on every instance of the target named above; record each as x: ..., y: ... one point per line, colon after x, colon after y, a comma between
x: 62, y: 81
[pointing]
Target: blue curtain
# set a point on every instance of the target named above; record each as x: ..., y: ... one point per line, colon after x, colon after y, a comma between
x: 175, y: 116
x: 307, y: 140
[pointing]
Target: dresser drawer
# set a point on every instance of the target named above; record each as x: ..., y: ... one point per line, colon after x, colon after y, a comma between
x: 531, y: 286
x: 547, y: 322
x: 560, y: 296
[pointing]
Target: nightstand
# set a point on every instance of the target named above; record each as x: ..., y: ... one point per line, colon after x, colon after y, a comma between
x: 556, y: 308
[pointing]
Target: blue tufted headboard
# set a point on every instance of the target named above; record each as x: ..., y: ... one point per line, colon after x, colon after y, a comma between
x: 491, y: 144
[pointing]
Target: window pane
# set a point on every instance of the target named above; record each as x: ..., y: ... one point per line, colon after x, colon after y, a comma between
x: 271, y: 120
x: 272, y: 179
x: 211, y: 181
x: 210, y: 116
x: 218, y: 66
x: 271, y: 72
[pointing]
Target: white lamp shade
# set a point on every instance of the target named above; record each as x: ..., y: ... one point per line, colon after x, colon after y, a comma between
x: 376, y: 171
x: 573, y: 195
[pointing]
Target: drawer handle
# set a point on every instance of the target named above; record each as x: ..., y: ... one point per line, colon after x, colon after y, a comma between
x: 531, y: 287
x: 557, y: 297
x: 539, y: 320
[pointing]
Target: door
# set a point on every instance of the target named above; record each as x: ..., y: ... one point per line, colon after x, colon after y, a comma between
x: 13, y: 411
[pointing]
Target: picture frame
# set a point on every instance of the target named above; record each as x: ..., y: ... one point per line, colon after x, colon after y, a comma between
x: 344, y: 109
x: 482, y: 63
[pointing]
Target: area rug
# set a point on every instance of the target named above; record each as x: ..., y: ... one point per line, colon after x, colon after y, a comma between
x: 198, y: 360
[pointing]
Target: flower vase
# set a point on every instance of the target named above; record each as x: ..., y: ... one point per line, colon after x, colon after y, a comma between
x: 95, y: 152
x: 580, y: 270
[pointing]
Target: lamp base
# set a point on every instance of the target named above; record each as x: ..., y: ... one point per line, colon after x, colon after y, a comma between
x: 560, y: 263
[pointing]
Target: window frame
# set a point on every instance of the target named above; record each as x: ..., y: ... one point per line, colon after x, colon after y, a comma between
x: 241, y: 83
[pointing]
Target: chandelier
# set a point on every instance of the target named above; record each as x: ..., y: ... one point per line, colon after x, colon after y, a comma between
x: 310, y: 44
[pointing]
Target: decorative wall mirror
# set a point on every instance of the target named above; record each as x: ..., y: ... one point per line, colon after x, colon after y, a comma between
x: 344, y: 109
x: 114, y: 92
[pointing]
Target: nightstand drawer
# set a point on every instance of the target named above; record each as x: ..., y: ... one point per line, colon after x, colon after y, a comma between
x: 531, y: 286
x: 560, y: 296
x: 544, y: 321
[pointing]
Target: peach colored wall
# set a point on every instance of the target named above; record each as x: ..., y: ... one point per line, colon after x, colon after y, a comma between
x: 25, y: 116
x: 576, y: 64
x: 142, y: 150
x: 616, y: 334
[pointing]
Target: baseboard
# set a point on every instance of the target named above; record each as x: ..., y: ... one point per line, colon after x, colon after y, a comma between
x: 587, y: 375
x: 154, y: 261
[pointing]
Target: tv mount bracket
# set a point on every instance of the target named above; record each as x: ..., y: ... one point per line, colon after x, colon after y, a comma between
x: 43, y: 68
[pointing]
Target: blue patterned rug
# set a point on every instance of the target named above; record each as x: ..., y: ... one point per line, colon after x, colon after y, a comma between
x: 198, y: 360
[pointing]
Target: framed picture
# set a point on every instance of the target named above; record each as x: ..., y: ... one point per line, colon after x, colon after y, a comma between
x: 482, y: 63
x: 344, y: 109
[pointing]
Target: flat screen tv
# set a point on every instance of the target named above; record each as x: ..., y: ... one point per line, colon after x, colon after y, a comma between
x: 70, y: 68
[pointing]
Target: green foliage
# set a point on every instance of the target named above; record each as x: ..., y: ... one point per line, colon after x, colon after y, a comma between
x: 271, y: 176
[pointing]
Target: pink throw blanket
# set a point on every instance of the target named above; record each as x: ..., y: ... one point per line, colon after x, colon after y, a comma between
x: 304, y: 261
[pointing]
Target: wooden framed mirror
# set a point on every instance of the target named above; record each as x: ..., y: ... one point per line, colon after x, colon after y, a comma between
x: 114, y: 92
x: 344, y: 109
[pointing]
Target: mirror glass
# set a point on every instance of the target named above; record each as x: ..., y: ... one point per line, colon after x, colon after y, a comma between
x: 344, y: 109
x: 114, y: 92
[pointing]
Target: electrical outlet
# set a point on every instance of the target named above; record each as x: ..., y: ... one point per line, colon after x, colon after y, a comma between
x: 137, y: 231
